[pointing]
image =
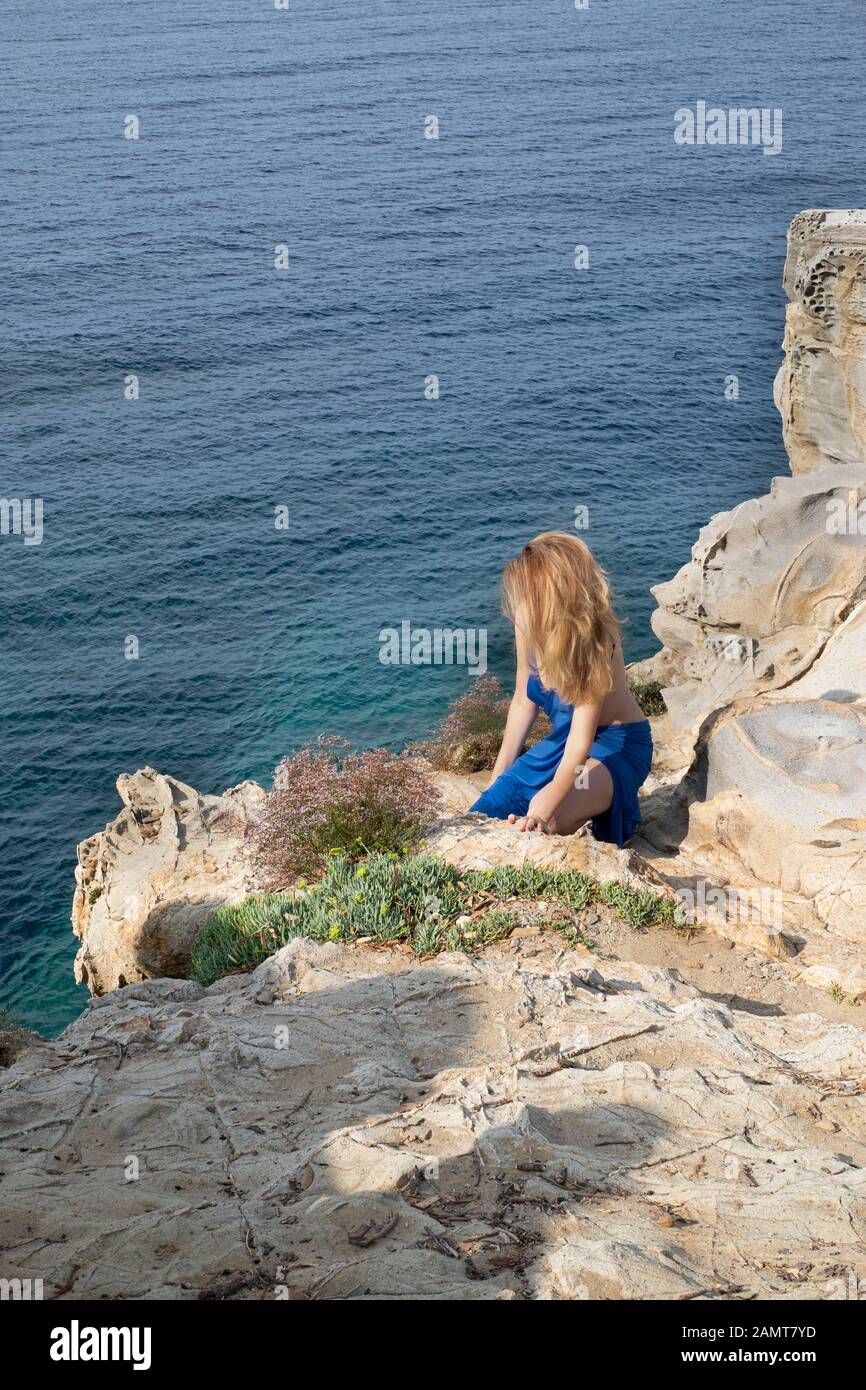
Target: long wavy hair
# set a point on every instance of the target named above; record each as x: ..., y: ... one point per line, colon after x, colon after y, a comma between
x: 557, y: 593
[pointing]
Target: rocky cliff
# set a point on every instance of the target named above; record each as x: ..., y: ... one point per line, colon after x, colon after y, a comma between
x: 760, y: 762
x: 536, y: 1122
x: 146, y: 885
x: 821, y: 387
x: 772, y: 599
x: 764, y: 662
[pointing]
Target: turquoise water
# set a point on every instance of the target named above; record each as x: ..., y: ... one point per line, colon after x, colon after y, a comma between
x: 407, y: 257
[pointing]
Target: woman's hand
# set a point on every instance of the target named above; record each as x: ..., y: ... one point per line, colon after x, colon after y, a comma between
x: 530, y: 822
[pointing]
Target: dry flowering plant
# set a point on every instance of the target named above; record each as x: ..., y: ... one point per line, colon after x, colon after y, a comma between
x: 326, y: 797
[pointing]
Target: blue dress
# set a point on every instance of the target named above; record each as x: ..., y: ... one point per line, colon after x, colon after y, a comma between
x: 625, y: 749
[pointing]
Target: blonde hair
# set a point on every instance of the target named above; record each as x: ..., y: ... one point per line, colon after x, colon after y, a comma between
x: 557, y: 593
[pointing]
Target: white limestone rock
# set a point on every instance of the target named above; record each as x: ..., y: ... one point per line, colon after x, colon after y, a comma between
x: 553, y: 1126
x: 821, y: 387
x: 766, y: 589
x: 147, y: 883
x: 775, y: 798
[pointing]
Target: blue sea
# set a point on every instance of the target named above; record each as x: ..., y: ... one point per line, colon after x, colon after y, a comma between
x: 304, y: 388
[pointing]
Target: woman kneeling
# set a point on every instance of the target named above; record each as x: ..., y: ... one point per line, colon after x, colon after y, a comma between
x: 569, y: 664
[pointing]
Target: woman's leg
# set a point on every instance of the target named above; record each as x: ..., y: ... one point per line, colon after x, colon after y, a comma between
x: 506, y: 797
x: 591, y: 798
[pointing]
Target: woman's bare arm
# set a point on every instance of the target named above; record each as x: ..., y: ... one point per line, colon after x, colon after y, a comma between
x: 521, y: 714
x: 584, y: 723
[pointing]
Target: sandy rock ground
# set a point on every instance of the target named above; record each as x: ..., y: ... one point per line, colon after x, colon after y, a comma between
x: 351, y: 1123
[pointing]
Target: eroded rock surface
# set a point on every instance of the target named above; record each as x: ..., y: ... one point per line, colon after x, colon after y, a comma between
x: 764, y: 662
x: 766, y: 589
x: 771, y: 821
x: 352, y: 1124
x: 475, y: 842
x: 147, y: 883
x: 821, y: 388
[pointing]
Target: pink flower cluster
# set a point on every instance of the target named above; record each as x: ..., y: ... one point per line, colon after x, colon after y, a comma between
x: 326, y: 798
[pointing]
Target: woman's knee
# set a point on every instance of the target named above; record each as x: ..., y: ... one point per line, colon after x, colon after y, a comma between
x: 501, y: 800
x: 591, y: 795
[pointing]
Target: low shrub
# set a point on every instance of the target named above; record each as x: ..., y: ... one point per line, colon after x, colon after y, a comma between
x: 531, y: 881
x: 15, y: 1036
x: 483, y: 930
x: 649, y: 696
x: 387, y: 897
x: 638, y: 907
x: 240, y: 937
x: 417, y: 899
x: 326, y: 798
x: 469, y: 736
